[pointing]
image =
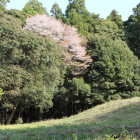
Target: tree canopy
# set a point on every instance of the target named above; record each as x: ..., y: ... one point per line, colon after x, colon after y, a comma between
x: 114, y: 72
x: 56, y: 11
x: 78, y: 16
x: 132, y: 27
x: 59, y: 65
x: 34, y: 7
x: 116, y: 18
x: 30, y: 67
x: 3, y: 4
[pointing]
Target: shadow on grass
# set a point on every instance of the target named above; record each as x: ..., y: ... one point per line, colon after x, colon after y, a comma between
x: 111, y: 123
x: 60, y: 132
x: 126, y: 115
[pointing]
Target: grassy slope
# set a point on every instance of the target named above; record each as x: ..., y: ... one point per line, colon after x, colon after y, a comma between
x: 106, y: 119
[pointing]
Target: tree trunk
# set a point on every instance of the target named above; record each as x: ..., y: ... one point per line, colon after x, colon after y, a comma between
x: 39, y: 115
x: 12, y: 114
x: 2, y: 118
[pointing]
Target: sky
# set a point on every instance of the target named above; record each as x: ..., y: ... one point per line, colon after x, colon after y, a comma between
x: 101, y: 7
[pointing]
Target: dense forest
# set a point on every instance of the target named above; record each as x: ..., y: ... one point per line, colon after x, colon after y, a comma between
x: 57, y: 65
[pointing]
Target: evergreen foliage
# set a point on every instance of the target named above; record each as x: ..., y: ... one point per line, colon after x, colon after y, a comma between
x: 115, y: 71
x: 59, y: 65
x: 30, y: 68
x: 19, y: 15
x: 56, y: 11
x: 1, y: 93
x: 34, y: 7
x: 71, y: 98
x: 79, y: 91
x: 110, y: 29
x: 116, y: 18
x: 132, y: 27
x: 78, y: 16
x: 3, y: 4
x: 78, y: 6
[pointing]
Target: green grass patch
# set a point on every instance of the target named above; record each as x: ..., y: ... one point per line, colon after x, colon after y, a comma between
x: 113, y: 120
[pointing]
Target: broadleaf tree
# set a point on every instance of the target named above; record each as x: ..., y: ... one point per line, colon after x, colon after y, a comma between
x: 71, y: 43
x: 31, y: 67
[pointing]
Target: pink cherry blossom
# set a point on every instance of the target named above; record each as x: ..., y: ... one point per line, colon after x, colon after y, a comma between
x: 66, y: 36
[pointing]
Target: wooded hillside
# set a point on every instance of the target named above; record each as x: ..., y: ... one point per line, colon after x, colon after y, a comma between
x: 58, y: 65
